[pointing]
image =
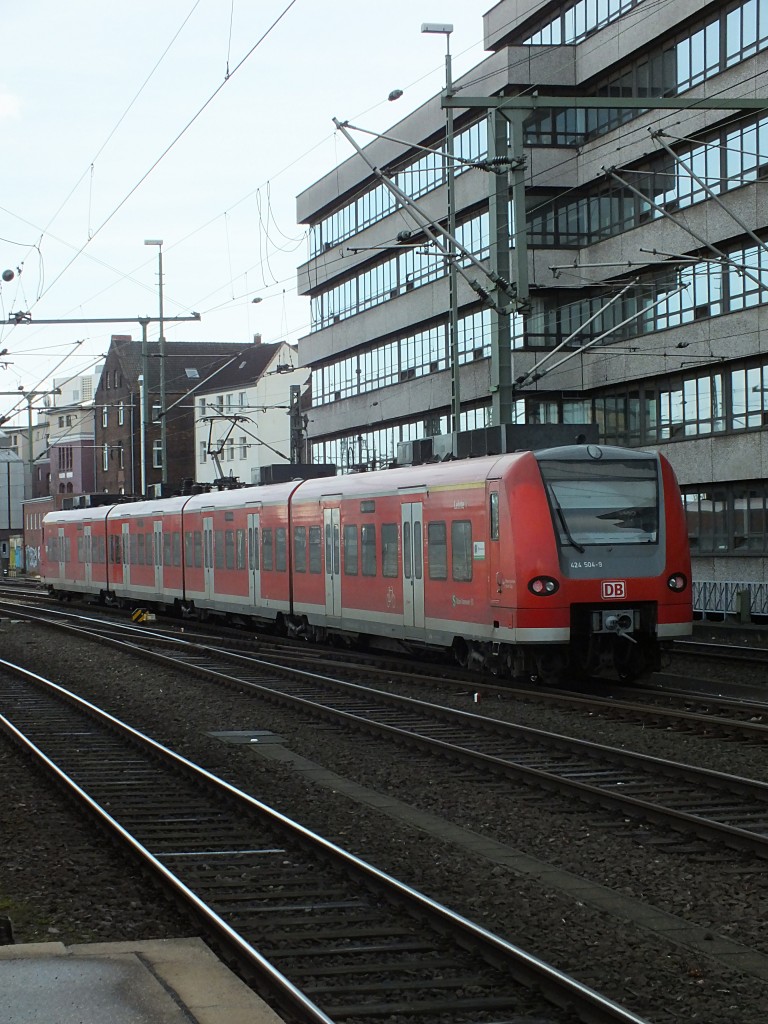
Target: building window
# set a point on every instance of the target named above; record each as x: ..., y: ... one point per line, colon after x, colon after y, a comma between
x: 105, y: 457
x: 156, y: 411
x: 104, y: 416
x: 203, y: 452
x: 243, y: 447
x: 157, y: 454
x: 230, y: 447
x: 121, y: 413
x: 243, y: 399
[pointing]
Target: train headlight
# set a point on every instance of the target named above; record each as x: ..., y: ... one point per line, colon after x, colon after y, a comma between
x: 543, y: 586
x: 677, y: 581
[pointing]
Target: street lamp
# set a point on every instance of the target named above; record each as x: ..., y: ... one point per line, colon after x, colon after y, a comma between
x: 163, y: 398
x: 440, y: 28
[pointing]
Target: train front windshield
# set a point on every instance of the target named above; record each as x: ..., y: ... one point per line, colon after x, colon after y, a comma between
x: 611, y: 502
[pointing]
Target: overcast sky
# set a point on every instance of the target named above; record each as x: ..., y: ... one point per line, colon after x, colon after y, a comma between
x: 91, y: 96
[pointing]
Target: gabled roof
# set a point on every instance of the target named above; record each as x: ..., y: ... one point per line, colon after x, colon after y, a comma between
x: 246, y: 369
x: 187, y: 363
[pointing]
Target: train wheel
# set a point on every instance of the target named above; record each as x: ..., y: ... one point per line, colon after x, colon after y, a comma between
x: 461, y: 652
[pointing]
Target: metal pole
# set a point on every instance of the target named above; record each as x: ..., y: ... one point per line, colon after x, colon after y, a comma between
x: 144, y: 400
x: 163, y: 393
x: 453, y: 281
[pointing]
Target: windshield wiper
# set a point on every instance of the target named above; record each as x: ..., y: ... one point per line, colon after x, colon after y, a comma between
x: 561, y: 516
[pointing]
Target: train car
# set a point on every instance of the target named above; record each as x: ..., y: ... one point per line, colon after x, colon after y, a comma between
x: 534, y: 563
x: 524, y: 564
x: 236, y: 553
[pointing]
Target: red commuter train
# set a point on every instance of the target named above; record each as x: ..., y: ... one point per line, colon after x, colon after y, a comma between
x: 535, y: 563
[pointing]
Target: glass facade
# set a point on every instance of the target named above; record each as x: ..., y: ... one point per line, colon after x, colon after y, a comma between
x: 577, y: 21
x: 417, y: 178
x: 717, y: 42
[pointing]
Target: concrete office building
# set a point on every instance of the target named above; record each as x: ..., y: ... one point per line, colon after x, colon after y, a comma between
x: 634, y: 241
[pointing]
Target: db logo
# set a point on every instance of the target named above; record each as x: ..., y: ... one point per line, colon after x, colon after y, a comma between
x: 613, y: 590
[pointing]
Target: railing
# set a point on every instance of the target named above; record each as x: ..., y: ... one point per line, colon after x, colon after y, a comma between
x: 744, y: 600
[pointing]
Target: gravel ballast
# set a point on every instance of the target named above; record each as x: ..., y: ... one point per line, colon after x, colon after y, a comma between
x: 60, y: 879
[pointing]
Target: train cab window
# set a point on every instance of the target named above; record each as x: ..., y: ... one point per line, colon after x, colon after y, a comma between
x: 494, y: 515
x: 218, y: 549
x: 437, y: 550
x: 229, y: 548
x: 240, y: 548
x: 350, y: 551
x: 281, y: 549
x: 300, y: 548
x: 368, y: 549
x: 315, y: 549
x: 267, y: 557
x: 389, y: 549
x: 198, y: 561
x: 253, y: 548
x: 461, y: 549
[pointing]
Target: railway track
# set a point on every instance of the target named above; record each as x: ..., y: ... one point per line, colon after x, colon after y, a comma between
x: 323, y: 934
x: 710, y: 804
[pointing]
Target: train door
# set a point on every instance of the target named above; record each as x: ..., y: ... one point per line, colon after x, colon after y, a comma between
x: 88, y: 553
x: 208, y: 556
x: 157, y: 551
x: 495, y: 572
x: 126, y: 555
x: 413, y: 564
x: 254, y: 562
x: 331, y: 522
x: 62, y: 554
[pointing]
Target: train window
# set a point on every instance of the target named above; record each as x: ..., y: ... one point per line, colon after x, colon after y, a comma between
x: 407, y: 550
x: 208, y: 552
x: 368, y: 549
x: 198, y: 549
x: 229, y: 517
x: 168, y: 549
x: 80, y: 550
x: 300, y: 548
x: 141, y: 548
x: 494, y: 514
x: 229, y: 548
x: 266, y: 549
x: 218, y: 549
x: 367, y: 506
x: 281, y: 549
x: 315, y: 546
x: 389, y: 549
x: 437, y: 551
x: 253, y: 548
x: 350, y: 551
x: 133, y: 549
x: 240, y: 548
x: 189, y: 550
x: 461, y: 549
x: 417, y: 550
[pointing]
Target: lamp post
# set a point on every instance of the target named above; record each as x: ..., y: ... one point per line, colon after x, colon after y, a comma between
x: 438, y: 28
x: 163, y: 397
